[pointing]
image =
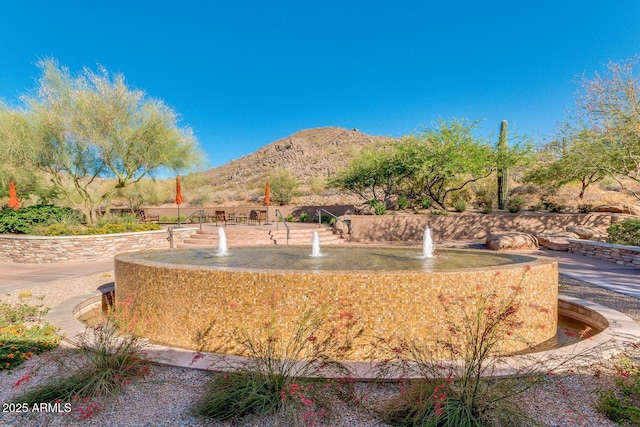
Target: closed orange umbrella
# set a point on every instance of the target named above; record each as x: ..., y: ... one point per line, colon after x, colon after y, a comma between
x: 179, y: 198
x: 267, y: 195
x: 13, y: 196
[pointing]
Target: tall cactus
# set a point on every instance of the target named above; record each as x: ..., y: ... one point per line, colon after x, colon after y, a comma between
x: 503, y: 167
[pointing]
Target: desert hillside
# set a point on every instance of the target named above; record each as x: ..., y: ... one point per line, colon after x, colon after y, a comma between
x: 311, y: 155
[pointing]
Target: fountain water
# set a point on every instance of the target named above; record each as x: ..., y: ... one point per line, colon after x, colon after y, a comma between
x: 222, y: 245
x: 315, y: 245
x: 427, y: 244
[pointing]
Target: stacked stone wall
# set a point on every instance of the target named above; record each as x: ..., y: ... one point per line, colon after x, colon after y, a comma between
x: 46, y: 249
x: 620, y: 254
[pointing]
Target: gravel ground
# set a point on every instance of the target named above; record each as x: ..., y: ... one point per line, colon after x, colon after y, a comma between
x: 165, y: 397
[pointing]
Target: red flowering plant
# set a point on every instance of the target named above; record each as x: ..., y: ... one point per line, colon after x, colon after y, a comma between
x: 451, y: 381
x: 293, y: 376
x: 105, y: 358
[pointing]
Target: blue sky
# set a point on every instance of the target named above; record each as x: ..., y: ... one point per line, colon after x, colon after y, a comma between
x: 242, y: 74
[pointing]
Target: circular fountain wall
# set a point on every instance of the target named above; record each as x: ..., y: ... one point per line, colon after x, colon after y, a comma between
x: 195, y: 299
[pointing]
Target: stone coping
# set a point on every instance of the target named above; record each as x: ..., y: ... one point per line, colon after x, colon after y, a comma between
x: 605, y: 245
x: 621, y: 331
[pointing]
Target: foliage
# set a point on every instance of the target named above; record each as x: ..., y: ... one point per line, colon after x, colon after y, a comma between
x: 577, y: 158
x: 425, y: 203
x: 93, y: 126
x: 281, y: 373
x: 106, y: 359
x: 18, y: 154
x: 438, y: 212
x: 515, y: 204
x: 304, y: 217
x: 22, y: 221
x: 379, y: 208
x: 403, y: 201
x: 605, y: 134
x: 462, y: 393
x: 22, y: 334
x: 485, y: 197
x: 622, y: 403
x: 460, y: 205
x: 283, y: 186
x: 369, y: 176
x: 625, y: 232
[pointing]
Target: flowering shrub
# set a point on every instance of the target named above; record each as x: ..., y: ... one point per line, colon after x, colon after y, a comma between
x: 622, y: 403
x: 453, y: 386
x: 105, y: 360
x: 282, y: 375
x: 22, y: 334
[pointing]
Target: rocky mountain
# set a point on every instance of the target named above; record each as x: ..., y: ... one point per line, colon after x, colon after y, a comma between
x: 311, y: 155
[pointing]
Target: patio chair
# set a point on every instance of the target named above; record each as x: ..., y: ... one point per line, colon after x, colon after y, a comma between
x: 221, y: 217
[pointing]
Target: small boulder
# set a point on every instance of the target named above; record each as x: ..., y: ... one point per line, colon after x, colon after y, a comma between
x: 511, y: 241
x: 341, y: 226
x: 587, y: 233
x: 556, y: 241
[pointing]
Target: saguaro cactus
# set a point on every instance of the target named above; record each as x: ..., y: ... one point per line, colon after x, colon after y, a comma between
x: 503, y: 167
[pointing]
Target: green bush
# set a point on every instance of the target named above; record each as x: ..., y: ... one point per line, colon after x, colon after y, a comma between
x: 460, y: 205
x: 19, y: 342
x: 515, y: 204
x: 403, y: 202
x: 379, y: 208
x: 23, y: 220
x: 304, y: 217
x: 625, y: 232
x: 79, y: 230
x: 425, y: 203
x: 438, y: 212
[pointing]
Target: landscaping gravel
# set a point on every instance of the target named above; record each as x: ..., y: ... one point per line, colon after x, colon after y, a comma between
x: 166, y: 396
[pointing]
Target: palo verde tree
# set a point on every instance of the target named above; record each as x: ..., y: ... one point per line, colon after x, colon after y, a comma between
x: 93, y: 126
x: 18, y: 154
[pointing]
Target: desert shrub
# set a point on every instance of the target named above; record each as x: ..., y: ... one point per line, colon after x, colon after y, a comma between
x: 460, y: 205
x: 625, y: 232
x: 460, y: 199
x: 107, y: 357
x: 621, y: 403
x: 425, y: 203
x: 304, y: 217
x: 21, y: 334
x: 23, y: 220
x: 485, y: 198
x: 379, y: 208
x: 537, y: 206
x: 282, y: 374
x: 437, y: 212
x: 462, y: 393
x: 403, y: 202
x: 515, y: 204
x: 291, y: 218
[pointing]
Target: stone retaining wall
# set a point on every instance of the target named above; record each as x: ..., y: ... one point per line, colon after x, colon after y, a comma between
x: 620, y: 254
x: 46, y: 249
x: 463, y: 226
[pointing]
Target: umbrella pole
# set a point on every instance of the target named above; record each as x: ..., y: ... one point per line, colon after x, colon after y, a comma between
x: 178, y: 226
